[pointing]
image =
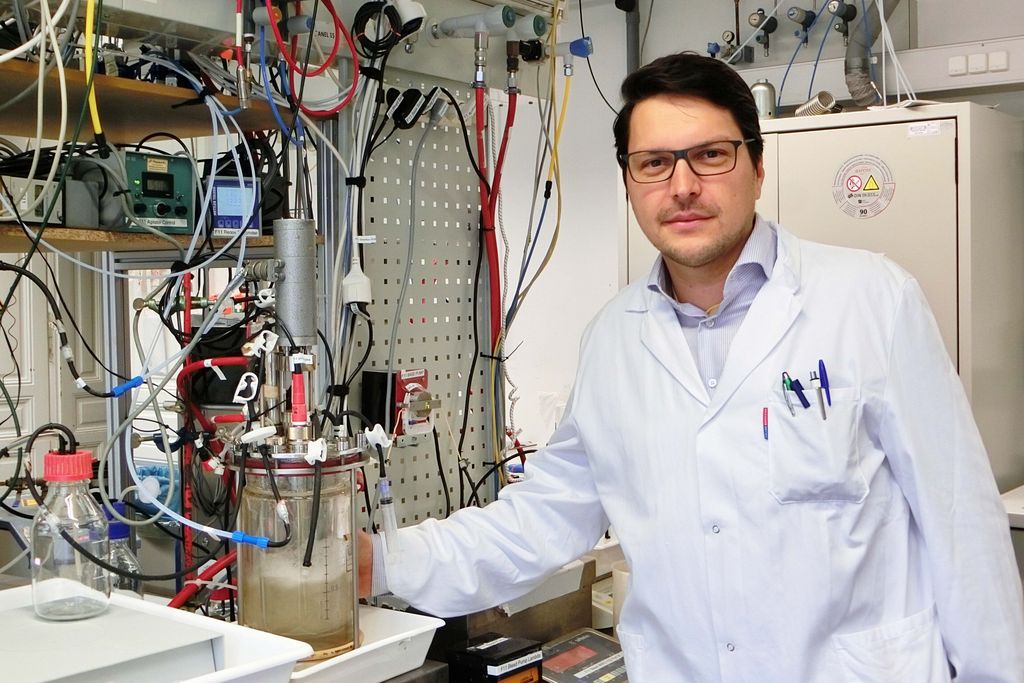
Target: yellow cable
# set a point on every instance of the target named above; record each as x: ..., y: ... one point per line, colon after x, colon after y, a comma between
x: 554, y: 170
x: 94, y: 111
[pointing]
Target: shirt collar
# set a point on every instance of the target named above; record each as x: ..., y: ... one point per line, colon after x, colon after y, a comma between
x: 760, y: 250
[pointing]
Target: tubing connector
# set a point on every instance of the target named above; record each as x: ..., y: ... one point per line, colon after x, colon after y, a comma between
x: 480, y: 43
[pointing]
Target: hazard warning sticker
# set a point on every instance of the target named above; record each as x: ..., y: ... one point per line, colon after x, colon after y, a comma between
x: 863, y: 186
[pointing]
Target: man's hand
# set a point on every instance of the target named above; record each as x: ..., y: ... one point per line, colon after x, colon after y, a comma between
x: 364, y: 550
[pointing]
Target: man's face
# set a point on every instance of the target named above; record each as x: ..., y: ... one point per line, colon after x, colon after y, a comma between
x: 699, y: 223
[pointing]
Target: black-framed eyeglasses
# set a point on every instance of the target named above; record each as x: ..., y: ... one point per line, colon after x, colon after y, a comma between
x: 711, y: 158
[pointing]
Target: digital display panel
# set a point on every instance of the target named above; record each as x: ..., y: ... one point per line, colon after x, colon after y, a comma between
x: 234, y: 201
x: 157, y: 185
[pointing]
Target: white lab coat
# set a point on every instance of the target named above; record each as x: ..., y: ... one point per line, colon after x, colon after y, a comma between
x: 871, y: 546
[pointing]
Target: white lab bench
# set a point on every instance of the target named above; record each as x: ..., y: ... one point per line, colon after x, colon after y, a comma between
x: 1013, y: 501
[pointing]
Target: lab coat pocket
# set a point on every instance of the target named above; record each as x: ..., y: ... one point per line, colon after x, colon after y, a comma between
x: 633, y: 647
x: 816, y: 460
x: 909, y: 649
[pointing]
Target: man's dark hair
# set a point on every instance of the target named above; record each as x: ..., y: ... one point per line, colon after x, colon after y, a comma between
x: 691, y: 75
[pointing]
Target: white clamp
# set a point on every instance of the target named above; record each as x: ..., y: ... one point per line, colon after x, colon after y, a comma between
x: 264, y: 342
x: 377, y: 436
x: 258, y: 434
x: 316, y: 452
x: 264, y: 298
x: 248, y: 386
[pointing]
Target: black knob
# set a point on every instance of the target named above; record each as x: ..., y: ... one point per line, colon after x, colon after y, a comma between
x: 162, y: 209
x: 180, y: 210
x: 139, y: 209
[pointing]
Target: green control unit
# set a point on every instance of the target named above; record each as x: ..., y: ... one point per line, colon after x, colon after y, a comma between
x: 162, y: 192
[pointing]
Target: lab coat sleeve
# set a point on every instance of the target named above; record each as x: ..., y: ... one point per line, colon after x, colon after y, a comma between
x: 937, y: 457
x: 481, y: 557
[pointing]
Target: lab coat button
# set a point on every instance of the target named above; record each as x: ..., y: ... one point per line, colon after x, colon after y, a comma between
x: 730, y: 647
x: 712, y: 382
x: 715, y: 529
x: 710, y: 323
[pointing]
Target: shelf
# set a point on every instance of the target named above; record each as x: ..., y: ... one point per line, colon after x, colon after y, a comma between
x: 129, y: 109
x: 13, y: 240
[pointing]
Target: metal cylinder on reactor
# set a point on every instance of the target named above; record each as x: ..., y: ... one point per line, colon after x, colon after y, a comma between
x: 303, y: 590
x: 295, y: 290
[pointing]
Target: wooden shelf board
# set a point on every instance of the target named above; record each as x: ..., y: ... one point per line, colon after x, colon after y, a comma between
x: 13, y: 240
x: 129, y: 109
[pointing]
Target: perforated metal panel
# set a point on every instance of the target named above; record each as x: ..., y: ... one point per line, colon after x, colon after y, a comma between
x: 436, y: 325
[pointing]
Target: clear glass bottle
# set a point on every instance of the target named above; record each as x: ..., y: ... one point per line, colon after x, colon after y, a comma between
x: 122, y: 557
x: 65, y: 584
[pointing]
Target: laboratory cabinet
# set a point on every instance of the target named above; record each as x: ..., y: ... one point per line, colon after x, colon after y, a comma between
x: 940, y: 190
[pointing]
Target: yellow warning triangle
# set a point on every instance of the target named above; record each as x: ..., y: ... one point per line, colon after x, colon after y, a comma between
x: 871, y: 185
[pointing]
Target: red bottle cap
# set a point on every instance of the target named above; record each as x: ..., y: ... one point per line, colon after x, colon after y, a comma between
x: 75, y: 466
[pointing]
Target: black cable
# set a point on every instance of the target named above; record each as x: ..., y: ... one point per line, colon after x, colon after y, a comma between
x: 53, y: 426
x: 265, y: 454
x: 4, y: 452
x: 465, y: 136
x: 330, y: 376
x: 366, y: 354
x: 17, y: 374
x: 444, y: 481
x: 314, y: 514
x: 380, y: 461
x: 476, y: 345
x: 14, y: 512
x: 366, y: 498
x: 494, y: 468
x: 583, y: 32
x: 61, y: 333
x: 163, y: 134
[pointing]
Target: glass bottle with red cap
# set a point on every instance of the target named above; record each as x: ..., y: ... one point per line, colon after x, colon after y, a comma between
x: 65, y: 583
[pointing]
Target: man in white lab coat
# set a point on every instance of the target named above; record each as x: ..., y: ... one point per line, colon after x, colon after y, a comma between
x: 774, y: 532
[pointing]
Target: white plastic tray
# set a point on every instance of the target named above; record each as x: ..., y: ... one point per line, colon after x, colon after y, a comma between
x: 393, y: 643
x: 240, y: 654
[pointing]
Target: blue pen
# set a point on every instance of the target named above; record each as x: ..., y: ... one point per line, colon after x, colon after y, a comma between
x: 799, y: 390
x: 824, y: 381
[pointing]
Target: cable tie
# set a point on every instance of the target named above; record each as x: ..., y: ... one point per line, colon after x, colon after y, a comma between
x: 339, y: 390
x: 208, y: 363
x: 81, y: 383
x: 200, y: 98
x: 358, y: 181
x: 371, y: 72
x: 127, y: 386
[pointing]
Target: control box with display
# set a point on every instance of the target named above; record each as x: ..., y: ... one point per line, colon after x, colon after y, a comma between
x: 234, y: 200
x: 162, y: 192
